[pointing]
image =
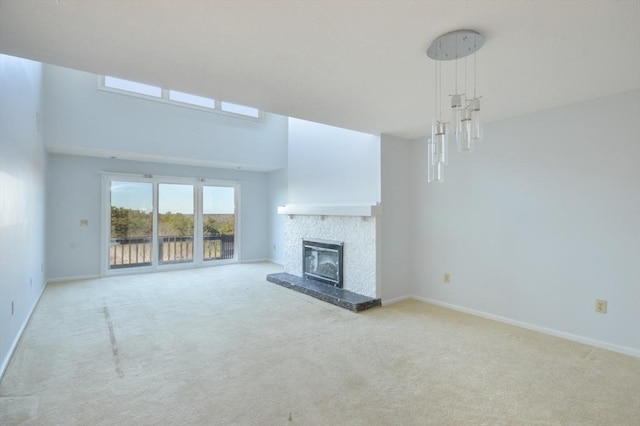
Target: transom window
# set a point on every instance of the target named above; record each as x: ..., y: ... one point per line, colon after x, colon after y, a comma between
x: 147, y: 91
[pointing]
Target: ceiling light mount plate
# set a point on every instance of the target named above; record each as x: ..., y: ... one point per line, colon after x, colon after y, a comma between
x: 455, y: 45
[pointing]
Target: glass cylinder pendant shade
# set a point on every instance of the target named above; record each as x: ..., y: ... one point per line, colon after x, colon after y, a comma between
x: 440, y: 172
x: 456, y: 111
x: 431, y: 161
x: 476, y: 123
x: 440, y: 138
x: 435, y: 171
x: 437, y: 152
x: 464, y: 137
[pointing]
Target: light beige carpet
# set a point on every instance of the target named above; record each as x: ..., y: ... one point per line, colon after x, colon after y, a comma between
x: 222, y: 346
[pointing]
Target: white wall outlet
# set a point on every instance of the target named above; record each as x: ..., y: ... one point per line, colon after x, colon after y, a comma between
x: 447, y: 278
x: 601, y: 306
x: 84, y: 222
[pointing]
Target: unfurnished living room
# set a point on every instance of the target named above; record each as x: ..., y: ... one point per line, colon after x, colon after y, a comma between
x: 320, y: 212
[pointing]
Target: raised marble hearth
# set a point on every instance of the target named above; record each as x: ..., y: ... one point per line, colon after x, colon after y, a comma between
x: 328, y: 293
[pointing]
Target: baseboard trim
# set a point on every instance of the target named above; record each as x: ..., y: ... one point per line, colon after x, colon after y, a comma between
x: 76, y: 278
x: 264, y: 259
x: 177, y: 267
x: 14, y: 344
x: 387, y: 302
x: 544, y: 330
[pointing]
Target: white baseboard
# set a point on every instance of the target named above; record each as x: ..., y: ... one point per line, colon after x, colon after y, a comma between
x: 387, y: 302
x: 14, y: 344
x: 76, y: 278
x: 264, y: 259
x: 552, y: 332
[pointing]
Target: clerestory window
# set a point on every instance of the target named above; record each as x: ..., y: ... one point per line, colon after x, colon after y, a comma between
x: 174, y: 97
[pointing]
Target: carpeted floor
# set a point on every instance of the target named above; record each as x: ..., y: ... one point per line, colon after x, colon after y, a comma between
x: 221, y: 346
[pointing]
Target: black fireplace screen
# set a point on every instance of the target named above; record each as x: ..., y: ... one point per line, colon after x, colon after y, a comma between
x: 322, y: 261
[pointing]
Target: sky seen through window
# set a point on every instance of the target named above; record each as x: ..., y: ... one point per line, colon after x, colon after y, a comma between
x: 173, y: 198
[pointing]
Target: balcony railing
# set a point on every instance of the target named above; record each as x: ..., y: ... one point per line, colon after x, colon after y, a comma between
x: 133, y: 252
x: 128, y: 252
x: 217, y: 247
x: 175, y: 249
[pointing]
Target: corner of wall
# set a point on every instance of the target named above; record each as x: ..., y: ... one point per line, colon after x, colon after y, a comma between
x: 23, y: 165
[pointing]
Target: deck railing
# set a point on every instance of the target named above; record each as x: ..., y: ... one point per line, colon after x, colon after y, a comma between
x: 128, y: 252
x: 218, y: 247
x: 132, y: 252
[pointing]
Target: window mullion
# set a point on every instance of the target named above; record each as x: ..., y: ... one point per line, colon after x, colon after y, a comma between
x: 154, y: 240
x: 198, y: 235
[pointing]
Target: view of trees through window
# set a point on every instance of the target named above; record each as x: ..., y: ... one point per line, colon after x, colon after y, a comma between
x: 131, y: 223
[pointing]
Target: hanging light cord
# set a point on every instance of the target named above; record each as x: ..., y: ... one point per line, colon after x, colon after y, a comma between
x: 440, y: 94
x: 456, y: 77
x: 474, y: 75
x: 465, y: 76
x: 456, y: 65
x: 435, y: 80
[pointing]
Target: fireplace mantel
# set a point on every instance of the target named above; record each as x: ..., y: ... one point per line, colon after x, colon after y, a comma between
x: 363, y: 210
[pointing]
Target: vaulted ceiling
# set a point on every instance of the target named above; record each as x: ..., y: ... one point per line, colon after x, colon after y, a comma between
x: 354, y: 64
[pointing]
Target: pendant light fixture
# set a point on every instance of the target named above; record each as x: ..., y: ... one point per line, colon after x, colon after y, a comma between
x: 465, y: 125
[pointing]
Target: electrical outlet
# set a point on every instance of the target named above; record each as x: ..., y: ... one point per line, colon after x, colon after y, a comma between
x: 601, y: 306
x: 447, y: 278
x: 84, y: 222
x: 12, y: 307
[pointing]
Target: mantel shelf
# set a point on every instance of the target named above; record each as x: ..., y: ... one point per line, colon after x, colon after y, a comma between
x: 330, y: 210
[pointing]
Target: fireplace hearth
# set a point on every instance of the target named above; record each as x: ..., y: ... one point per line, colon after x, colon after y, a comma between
x: 336, y: 296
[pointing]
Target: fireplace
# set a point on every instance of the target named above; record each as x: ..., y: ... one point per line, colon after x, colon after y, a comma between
x: 322, y: 260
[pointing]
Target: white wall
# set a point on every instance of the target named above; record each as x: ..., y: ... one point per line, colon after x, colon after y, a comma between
x: 86, y: 121
x: 22, y: 198
x: 277, y: 196
x: 74, y: 193
x: 332, y: 166
x: 539, y: 222
x: 395, y: 225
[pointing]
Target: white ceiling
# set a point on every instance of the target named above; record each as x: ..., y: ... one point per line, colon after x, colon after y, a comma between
x: 354, y: 64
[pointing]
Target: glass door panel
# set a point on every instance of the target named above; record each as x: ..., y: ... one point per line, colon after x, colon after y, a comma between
x: 175, y: 223
x: 218, y: 222
x: 131, y: 223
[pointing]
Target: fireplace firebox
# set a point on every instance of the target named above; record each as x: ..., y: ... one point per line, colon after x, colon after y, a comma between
x: 322, y: 261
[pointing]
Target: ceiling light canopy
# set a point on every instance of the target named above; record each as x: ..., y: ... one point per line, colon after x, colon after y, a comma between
x: 455, y: 45
x: 465, y: 124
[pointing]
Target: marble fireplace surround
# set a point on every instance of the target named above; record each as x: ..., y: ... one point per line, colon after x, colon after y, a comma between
x: 356, y: 226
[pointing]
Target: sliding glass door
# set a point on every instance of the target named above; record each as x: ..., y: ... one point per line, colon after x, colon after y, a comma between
x: 175, y: 223
x: 131, y: 224
x: 218, y: 224
x: 154, y: 223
